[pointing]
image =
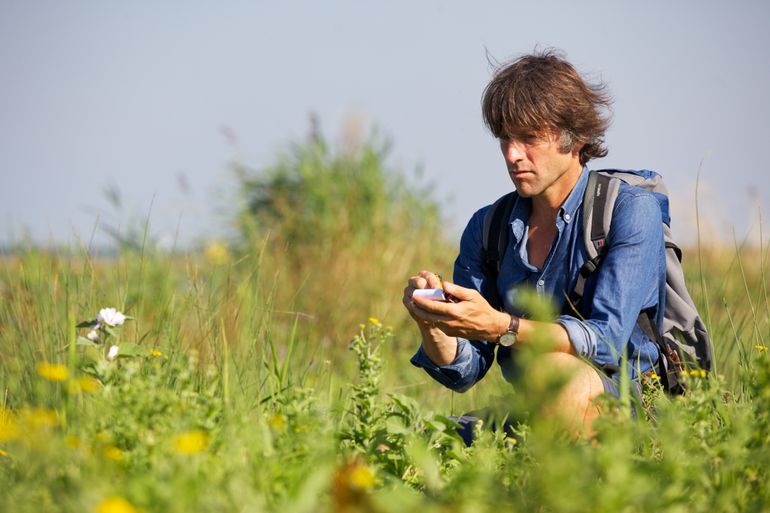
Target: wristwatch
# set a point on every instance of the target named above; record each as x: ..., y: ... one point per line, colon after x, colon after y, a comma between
x: 508, y: 338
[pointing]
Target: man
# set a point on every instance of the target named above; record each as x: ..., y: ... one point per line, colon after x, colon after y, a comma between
x: 550, y: 123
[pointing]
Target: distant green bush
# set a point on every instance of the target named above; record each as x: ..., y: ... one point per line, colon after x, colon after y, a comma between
x: 342, y: 229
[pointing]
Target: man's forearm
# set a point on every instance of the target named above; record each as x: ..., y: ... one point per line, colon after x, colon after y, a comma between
x: 439, y: 347
x: 551, y: 336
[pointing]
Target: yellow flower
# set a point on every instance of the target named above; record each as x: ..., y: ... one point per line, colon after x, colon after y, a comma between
x: 116, y: 505
x: 113, y: 453
x: 277, y: 422
x: 375, y: 322
x: 3, y: 453
x: 698, y: 373
x: 9, y: 429
x: 39, y: 417
x: 361, y: 477
x: 103, y: 437
x: 191, y: 442
x: 156, y: 353
x: 761, y: 348
x: 217, y: 254
x: 52, y: 371
x: 83, y: 384
x: 654, y: 377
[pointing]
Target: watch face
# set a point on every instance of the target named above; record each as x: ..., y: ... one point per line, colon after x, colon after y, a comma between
x: 507, y: 339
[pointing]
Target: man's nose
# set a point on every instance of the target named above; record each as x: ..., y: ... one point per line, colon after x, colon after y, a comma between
x: 512, y: 150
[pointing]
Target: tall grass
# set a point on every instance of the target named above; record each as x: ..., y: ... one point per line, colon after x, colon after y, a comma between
x: 340, y: 232
x: 242, y: 393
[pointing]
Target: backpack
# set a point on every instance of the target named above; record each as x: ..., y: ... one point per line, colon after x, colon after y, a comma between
x: 683, y: 342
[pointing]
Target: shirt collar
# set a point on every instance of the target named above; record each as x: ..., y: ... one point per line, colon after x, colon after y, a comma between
x: 568, y: 210
x: 570, y: 206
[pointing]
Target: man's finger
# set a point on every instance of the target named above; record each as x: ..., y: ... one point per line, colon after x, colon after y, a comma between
x: 432, y: 279
x: 459, y: 292
x: 433, y: 307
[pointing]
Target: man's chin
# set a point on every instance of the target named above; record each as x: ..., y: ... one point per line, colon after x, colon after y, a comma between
x: 524, y: 191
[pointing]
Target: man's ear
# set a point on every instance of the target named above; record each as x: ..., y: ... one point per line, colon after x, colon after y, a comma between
x: 577, y: 148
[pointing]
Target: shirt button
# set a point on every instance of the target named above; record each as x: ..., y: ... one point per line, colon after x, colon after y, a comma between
x: 541, y: 282
x: 567, y: 217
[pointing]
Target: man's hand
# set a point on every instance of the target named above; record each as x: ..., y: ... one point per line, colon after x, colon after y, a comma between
x: 423, y: 280
x: 472, y: 317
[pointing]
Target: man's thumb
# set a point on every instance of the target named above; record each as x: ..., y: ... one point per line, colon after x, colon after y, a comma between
x: 459, y: 292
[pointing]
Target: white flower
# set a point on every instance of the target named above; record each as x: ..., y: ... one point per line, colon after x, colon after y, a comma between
x: 93, y: 336
x: 112, y: 353
x: 110, y: 317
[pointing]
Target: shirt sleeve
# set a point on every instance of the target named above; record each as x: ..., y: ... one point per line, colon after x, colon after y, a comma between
x: 462, y: 373
x: 474, y: 357
x: 628, y: 281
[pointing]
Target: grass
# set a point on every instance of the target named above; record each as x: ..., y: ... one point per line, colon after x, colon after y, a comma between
x: 271, y: 374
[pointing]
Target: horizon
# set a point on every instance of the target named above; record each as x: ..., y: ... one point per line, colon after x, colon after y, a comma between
x: 150, y: 104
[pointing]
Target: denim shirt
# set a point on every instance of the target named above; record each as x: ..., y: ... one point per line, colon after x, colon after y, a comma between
x: 630, y: 279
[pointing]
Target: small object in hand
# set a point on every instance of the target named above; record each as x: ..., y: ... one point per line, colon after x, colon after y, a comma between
x: 435, y: 295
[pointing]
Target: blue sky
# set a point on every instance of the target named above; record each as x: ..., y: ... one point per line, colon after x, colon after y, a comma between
x: 137, y: 97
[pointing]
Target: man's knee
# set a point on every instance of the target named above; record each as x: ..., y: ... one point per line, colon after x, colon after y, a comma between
x: 577, y: 382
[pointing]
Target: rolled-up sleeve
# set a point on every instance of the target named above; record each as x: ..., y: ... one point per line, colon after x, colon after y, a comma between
x: 582, y: 338
x: 460, y: 374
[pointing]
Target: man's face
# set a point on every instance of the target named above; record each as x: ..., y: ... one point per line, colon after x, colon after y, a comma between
x: 537, y: 164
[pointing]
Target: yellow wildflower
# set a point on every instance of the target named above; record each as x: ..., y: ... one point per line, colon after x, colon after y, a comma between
x: 83, y: 384
x: 39, y: 417
x: 761, y: 348
x: 9, y: 429
x: 191, y: 442
x: 375, y: 322
x: 103, y: 437
x: 361, y: 477
x: 156, y: 353
x: 3, y: 453
x: 116, y: 505
x: 698, y: 373
x: 654, y: 377
x: 277, y: 422
x: 216, y: 253
x: 112, y: 453
x: 52, y: 371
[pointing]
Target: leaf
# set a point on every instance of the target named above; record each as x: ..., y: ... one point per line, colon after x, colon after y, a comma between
x: 83, y: 341
x: 130, y: 349
x: 87, y: 324
x: 434, y: 426
x: 92, y: 354
x: 406, y: 404
x: 446, y: 421
x: 395, y: 426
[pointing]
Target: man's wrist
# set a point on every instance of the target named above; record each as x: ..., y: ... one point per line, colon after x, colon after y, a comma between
x: 508, y: 337
x: 505, y: 321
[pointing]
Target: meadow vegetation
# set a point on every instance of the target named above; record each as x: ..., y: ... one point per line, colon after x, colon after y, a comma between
x: 270, y: 373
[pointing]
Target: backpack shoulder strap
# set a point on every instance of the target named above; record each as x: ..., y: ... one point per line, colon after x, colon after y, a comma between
x: 495, y: 236
x: 601, y: 193
x: 598, y: 203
